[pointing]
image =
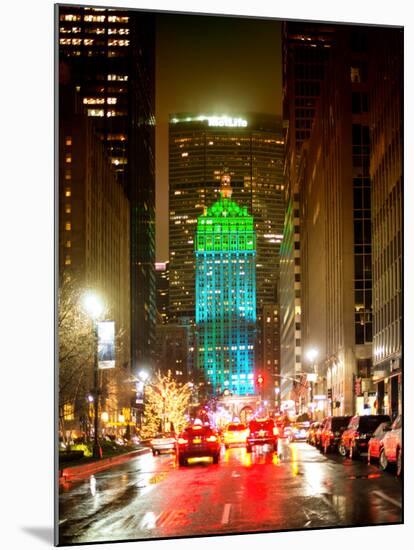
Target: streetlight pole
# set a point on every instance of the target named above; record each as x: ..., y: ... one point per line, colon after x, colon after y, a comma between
x: 97, y: 449
x: 94, y: 308
x: 312, y: 355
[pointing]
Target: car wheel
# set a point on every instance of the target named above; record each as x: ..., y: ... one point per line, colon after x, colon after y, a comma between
x: 353, y: 453
x: 383, y: 461
x: 182, y: 461
x: 399, y: 464
x: 342, y: 450
x: 216, y: 459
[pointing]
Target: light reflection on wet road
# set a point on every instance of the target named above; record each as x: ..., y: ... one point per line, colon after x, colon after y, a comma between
x: 297, y: 488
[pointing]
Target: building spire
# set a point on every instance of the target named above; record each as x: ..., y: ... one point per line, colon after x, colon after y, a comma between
x: 225, y: 189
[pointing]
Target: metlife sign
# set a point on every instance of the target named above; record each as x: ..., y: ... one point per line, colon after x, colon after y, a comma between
x: 226, y: 121
x: 215, y: 121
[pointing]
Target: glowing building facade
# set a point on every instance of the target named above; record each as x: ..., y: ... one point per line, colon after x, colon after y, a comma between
x: 225, y: 250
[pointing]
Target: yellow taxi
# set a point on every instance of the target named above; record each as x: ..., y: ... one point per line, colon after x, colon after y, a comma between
x: 235, y: 434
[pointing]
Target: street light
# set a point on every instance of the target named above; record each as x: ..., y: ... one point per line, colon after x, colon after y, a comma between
x: 94, y: 308
x: 312, y: 354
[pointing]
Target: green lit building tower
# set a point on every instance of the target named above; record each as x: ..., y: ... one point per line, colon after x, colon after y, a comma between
x: 225, y: 250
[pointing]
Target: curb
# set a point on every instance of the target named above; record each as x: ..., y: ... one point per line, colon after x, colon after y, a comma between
x: 78, y: 472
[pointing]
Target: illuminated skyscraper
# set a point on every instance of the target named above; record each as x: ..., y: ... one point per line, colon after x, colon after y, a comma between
x: 225, y: 251
x: 250, y: 148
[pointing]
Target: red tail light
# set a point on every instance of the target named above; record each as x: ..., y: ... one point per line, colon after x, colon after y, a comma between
x: 182, y: 441
x: 211, y: 438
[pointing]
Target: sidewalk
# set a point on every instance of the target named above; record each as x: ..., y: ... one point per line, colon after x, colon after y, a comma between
x: 72, y: 473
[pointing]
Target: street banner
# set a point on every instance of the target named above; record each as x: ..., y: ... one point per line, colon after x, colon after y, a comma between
x: 106, y: 344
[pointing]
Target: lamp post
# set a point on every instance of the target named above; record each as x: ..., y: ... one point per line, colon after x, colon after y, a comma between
x: 94, y: 308
x: 312, y: 355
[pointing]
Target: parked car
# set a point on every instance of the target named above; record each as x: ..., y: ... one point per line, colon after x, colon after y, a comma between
x: 355, y: 438
x: 318, y: 433
x: 310, y: 438
x: 164, y: 442
x: 391, y: 453
x: 235, y: 433
x: 198, y: 441
x: 331, y: 433
x: 376, y: 442
x: 262, y: 431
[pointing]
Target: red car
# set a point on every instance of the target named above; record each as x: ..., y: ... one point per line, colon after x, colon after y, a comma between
x: 375, y: 444
x: 355, y: 438
x: 332, y: 430
x: 262, y: 431
x: 391, y: 453
x: 198, y: 441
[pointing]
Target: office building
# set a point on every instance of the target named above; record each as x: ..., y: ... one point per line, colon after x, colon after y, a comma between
x: 108, y: 56
x: 250, y: 149
x: 162, y: 277
x: 386, y: 99
x: 336, y: 242
x: 225, y: 251
x: 306, y: 51
x: 93, y: 254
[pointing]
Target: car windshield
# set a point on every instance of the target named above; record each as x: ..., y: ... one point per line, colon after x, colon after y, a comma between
x: 380, y: 430
x: 340, y: 422
x: 235, y: 427
x: 370, y: 423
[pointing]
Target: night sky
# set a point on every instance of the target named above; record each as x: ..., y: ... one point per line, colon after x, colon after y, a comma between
x: 218, y: 65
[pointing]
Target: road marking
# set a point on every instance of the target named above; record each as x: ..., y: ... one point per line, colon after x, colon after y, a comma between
x: 226, y: 513
x: 389, y: 499
x: 164, y: 517
x: 149, y: 521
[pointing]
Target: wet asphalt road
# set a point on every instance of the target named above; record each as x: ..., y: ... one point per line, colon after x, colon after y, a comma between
x: 150, y: 497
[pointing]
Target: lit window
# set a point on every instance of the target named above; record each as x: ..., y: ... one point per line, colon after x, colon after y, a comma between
x: 112, y: 100
x: 117, y: 19
x: 118, y: 77
x: 115, y: 42
x: 70, y: 17
x: 94, y: 18
x: 68, y: 244
x: 68, y: 141
x: 68, y: 261
x: 68, y: 175
x: 68, y: 209
x: 118, y: 31
x: 184, y: 154
x: 68, y: 226
x: 69, y: 411
x: 68, y: 158
x: 68, y: 192
x: 93, y: 100
x: 96, y: 112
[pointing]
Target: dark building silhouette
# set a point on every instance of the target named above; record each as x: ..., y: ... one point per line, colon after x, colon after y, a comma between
x: 107, y: 56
